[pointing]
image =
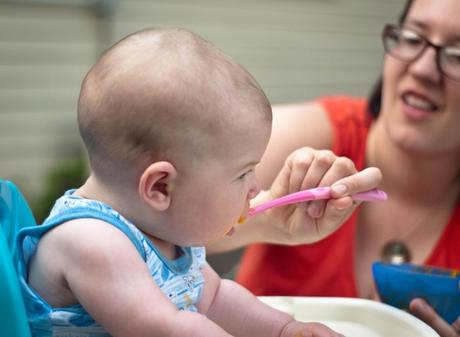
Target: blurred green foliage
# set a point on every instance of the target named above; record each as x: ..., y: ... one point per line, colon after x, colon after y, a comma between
x: 70, y: 174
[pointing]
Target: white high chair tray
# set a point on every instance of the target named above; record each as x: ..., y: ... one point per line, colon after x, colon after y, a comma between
x: 353, y: 317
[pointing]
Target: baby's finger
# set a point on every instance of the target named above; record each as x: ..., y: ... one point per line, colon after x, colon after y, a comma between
x: 317, y: 330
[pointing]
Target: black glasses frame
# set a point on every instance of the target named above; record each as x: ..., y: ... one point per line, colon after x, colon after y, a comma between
x: 391, y: 30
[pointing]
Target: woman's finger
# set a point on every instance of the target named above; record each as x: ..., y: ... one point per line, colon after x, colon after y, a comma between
x: 322, y: 162
x: 335, y: 213
x: 425, y: 312
x: 300, y: 163
x: 340, y: 167
x: 364, y: 180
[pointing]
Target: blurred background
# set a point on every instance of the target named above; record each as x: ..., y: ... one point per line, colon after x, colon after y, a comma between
x: 296, y: 49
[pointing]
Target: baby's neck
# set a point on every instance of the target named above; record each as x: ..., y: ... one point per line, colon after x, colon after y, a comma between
x: 93, y: 189
x: 167, y: 249
x: 122, y: 203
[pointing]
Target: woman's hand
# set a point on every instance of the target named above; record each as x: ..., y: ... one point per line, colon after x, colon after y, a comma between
x: 425, y: 312
x: 308, y: 168
x: 303, y: 222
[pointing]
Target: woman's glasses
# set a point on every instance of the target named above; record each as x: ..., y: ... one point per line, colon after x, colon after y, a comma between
x: 407, y: 45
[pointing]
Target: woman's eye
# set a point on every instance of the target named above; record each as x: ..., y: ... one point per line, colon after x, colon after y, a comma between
x: 410, y: 38
x: 452, y: 55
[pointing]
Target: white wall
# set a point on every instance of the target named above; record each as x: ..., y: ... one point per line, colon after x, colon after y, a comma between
x: 297, y: 49
x: 44, y: 52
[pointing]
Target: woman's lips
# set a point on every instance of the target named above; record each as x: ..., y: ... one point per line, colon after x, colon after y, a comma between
x: 418, y: 107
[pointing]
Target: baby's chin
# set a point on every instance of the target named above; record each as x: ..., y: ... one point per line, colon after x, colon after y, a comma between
x: 231, y: 230
x: 219, y: 236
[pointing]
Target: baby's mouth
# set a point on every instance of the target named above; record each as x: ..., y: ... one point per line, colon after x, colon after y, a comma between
x: 230, y: 231
x: 244, y: 214
x: 240, y: 220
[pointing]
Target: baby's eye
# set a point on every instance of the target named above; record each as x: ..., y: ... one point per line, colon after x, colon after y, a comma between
x: 241, y: 177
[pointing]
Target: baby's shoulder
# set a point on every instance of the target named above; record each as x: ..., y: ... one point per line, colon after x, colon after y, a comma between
x: 83, y: 243
x: 82, y: 235
x: 70, y: 252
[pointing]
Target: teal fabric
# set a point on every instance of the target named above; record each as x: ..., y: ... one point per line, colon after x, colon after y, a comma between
x: 14, y: 214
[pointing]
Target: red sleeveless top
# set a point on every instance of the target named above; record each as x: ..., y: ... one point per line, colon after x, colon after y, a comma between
x: 325, y: 268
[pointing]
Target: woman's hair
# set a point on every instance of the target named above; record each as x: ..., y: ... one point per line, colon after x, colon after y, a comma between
x: 375, y: 97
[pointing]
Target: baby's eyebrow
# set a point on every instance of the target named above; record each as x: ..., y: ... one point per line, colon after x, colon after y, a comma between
x: 247, y: 166
x: 253, y: 163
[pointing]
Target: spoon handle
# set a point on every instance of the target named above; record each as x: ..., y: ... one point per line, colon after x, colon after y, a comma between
x: 315, y: 194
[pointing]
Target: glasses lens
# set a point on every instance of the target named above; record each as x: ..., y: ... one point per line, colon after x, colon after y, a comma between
x: 450, y: 61
x: 402, y: 43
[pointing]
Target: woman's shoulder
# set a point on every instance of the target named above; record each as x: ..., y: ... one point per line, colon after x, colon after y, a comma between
x: 345, y: 107
x: 350, y: 123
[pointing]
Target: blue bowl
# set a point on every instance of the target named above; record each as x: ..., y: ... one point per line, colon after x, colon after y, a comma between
x: 398, y: 284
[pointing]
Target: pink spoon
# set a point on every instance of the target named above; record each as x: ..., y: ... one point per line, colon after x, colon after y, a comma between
x: 315, y: 194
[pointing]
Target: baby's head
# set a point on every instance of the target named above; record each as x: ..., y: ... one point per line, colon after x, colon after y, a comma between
x: 168, y: 115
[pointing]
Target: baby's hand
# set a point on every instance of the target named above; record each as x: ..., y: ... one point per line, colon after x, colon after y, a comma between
x: 301, y: 329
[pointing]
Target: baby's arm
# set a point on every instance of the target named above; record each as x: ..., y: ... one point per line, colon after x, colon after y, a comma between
x: 240, y: 313
x: 106, y: 274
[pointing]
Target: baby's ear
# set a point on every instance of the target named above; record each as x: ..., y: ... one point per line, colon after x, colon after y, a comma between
x: 155, y: 184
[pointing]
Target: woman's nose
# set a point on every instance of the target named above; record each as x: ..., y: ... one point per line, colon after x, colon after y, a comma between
x: 425, y: 67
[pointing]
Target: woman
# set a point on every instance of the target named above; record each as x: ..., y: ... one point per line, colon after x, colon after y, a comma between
x: 409, y: 130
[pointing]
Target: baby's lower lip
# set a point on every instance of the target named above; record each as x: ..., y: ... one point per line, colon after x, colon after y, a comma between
x: 230, y: 231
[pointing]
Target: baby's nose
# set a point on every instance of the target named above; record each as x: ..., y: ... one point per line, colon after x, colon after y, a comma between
x: 253, y: 191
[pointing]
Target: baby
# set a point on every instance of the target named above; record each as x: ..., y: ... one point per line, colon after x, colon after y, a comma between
x: 173, y: 129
